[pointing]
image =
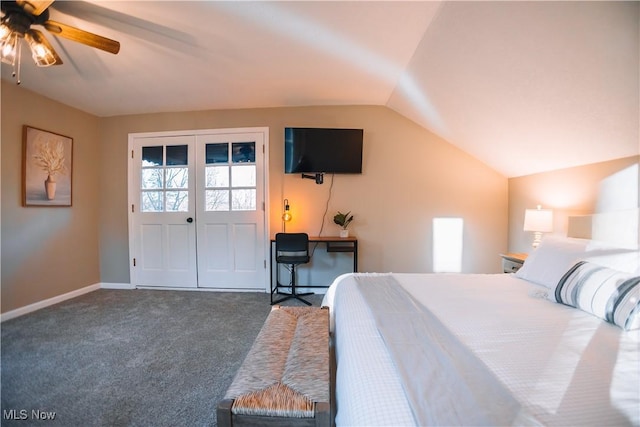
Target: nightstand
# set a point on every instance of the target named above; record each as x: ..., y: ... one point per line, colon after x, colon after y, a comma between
x: 511, y: 262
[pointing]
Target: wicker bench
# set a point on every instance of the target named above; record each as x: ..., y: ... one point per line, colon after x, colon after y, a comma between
x: 284, y: 380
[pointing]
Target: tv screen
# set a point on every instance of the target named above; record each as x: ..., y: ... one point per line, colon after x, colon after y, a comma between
x: 317, y: 150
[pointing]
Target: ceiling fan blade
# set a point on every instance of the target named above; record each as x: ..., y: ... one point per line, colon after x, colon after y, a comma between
x: 81, y: 36
x: 34, y: 7
x: 42, y: 52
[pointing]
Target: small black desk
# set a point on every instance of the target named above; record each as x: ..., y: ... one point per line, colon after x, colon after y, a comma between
x: 333, y: 244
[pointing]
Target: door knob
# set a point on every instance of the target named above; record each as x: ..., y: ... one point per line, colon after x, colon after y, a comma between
x: 189, y: 220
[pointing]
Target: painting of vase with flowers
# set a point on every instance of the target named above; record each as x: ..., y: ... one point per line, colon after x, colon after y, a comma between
x: 47, y: 168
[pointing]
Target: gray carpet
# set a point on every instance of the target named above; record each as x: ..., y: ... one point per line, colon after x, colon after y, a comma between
x: 128, y: 358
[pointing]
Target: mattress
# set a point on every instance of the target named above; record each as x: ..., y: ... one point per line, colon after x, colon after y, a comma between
x: 563, y: 366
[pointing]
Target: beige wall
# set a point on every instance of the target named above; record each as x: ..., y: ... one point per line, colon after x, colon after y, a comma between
x: 47, y: 251
x: 598, y: 187
x: 410, y: 177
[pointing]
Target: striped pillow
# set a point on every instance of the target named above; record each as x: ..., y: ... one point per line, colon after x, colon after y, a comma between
x: 609, y: 294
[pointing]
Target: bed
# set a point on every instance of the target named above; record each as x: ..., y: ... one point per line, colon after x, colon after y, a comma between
x: 493, y: 349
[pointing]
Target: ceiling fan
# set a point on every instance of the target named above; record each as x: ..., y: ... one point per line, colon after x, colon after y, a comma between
x: 16, y: 23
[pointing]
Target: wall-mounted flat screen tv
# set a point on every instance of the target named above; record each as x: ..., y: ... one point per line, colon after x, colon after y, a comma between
x: 322, y: 150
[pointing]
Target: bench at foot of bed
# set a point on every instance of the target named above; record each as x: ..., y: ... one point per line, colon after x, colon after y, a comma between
x: 284, y: 380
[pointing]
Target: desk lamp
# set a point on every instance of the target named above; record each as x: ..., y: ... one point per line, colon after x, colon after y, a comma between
x: 286, y: 216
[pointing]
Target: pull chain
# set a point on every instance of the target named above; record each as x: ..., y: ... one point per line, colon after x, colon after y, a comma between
x: 19, y: 62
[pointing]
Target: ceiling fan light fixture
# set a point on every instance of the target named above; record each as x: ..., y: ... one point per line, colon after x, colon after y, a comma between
x: 5, y: 32
x: 16, y: 19
x: 8, y: 45
x: 41, y: 51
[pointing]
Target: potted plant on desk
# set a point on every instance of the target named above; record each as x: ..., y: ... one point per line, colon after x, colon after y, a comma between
x: 343, y: 220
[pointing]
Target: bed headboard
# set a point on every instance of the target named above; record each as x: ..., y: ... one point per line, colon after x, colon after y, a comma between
x: 620, y: 228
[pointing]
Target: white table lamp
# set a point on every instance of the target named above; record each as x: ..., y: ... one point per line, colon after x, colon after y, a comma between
x: 539, y: 221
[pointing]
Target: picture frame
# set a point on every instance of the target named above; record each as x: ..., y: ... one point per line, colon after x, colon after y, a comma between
x: 47, y: 168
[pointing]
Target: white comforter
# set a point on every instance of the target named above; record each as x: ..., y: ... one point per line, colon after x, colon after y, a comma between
x: 564, y: 366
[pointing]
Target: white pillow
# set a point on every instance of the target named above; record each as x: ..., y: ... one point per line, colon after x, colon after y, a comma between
x: 556, y: 255
x: 626, y: 260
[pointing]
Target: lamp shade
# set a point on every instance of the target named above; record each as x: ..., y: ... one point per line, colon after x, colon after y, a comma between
x: 538, y: 220
x: 41, y: 51
x: 8, y: 45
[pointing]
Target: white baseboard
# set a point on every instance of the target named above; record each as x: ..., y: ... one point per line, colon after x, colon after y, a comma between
x: 126, y: 286
x: 302, y: 289
x: 168, y: 288
x: 46, y: 303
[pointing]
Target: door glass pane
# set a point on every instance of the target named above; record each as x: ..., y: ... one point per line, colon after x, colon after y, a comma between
x: 152, y: 178
x: 177, y: 201
x: 243, y: 200
x: 155, y: 176
x: 152, y: 201
x: 244, y: 152
x: 217, y: 153
x: 217, y: 200
x: 152, y: 156
x: 243, y: 176
x: 177, y: 155
x: 177, y: 177
x: 217, y: 176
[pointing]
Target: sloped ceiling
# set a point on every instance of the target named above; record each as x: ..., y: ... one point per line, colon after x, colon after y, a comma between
x: 525, y: 87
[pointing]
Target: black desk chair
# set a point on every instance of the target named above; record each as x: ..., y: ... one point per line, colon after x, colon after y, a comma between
x: 291, y: 249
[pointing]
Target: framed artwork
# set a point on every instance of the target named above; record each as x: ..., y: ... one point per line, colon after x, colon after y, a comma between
x: 47, y: 167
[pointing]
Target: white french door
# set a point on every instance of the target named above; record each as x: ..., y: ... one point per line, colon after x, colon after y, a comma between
x: 163, y: 235
x: 197, y: 215
x: 230, y: 216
